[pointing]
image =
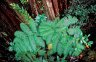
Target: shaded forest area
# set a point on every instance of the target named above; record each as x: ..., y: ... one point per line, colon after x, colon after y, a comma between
x: 10, y: 22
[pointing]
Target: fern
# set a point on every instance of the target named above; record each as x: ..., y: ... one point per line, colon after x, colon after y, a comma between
x: 26, y: 16
x: 63, y: 38
x: 81, y: 10
x: 23, y: 1
x: 59, y: 37
x: 40, y: 39
x: 26, y: 42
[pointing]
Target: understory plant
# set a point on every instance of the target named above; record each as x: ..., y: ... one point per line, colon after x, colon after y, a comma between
x: 42, y: 40
x: 81, y: 9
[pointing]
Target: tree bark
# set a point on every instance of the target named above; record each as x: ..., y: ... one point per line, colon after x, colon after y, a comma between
x: 33, y: 7
x: 49, y: 9
x: 56, y: 9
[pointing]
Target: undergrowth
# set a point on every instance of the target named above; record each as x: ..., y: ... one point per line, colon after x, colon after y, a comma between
x: 40, y: 39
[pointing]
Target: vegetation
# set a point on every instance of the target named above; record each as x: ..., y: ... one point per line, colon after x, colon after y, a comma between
x: 81, y: 10
x: 49, y: 31
x: 39, y: 39
x: 23, y: 1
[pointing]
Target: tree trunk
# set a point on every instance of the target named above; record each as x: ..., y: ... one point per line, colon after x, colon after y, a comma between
x: 49, y: 9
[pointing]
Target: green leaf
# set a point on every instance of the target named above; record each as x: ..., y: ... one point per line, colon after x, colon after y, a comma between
x: 32, y: 43
x: 20, y: 34
x: 59, y: 49
x: 58, y: 59
x: 39, y: 42
x: 90, y: 43
x: 71, y: 31
x: 10, y: 48
x: 63, y: 60
x: 75, y: 31
x: 41, y: 52
x: 19, y: 43
x: 32, y: 26
x: 49, y: 39
x: 69, y: 20
x: 80, y: 46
